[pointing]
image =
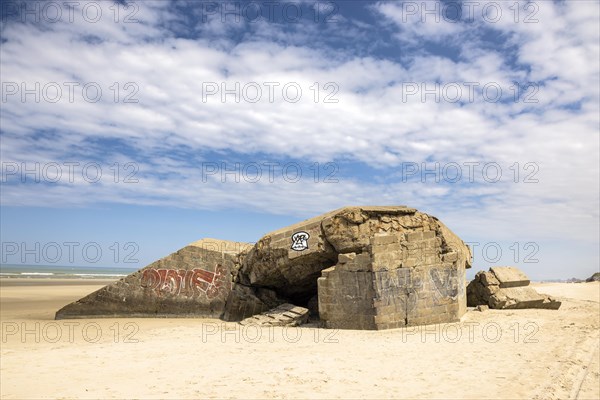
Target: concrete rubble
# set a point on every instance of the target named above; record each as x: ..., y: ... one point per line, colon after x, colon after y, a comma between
x: 283, y: 315
x: 506, y: 288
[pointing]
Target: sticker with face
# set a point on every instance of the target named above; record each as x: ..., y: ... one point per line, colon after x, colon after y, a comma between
x: 300, y: 241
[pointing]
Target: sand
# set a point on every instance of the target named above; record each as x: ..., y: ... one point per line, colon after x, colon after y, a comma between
x: 521, y: 354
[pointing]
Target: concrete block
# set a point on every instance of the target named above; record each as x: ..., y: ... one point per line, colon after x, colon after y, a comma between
x: 410, y: 263
x: 429, y: 235
x: 510, y: 277
x: 381, y: 240
x: 450, y: 257
x: 414, y: 236
x: 346, y: 257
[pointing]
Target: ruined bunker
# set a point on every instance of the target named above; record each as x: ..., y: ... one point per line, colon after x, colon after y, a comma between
x: 364, y: 267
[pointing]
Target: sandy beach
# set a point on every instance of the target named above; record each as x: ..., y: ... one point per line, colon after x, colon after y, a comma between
x: 497, y: 354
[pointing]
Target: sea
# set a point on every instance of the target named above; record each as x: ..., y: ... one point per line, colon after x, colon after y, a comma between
x: 63, y: 272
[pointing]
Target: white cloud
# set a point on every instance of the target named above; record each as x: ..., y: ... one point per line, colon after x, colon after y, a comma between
x: 370, y: 124
x: 418, y: 21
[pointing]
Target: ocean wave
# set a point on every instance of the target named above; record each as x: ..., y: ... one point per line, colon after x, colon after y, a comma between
x: 37, y: 273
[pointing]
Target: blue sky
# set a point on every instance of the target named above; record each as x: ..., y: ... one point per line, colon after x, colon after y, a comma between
x: 143, y: 126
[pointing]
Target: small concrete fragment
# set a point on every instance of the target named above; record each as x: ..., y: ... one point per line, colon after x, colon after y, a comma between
x: 482, y: 308
x: 506, y: 288
x: 282, y: 315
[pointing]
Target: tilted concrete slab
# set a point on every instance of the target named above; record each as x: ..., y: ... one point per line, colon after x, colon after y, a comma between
x: 193, y: 281
x: 510, y: 277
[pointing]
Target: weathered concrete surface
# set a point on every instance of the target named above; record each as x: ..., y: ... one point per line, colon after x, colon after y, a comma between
x: 282, y: 315
x: 506, y: 288
x: 273, y: 263
x: 510, y: 277
x: 376, y: 268
x: 193, y: 281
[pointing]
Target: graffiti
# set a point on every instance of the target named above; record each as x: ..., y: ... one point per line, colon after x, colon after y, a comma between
x: 300, y: 241
x: 408, y: 287
x: 185, y: 282
x: 446, y: 283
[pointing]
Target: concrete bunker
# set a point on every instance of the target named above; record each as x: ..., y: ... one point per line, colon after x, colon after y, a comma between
x: 368, y: 267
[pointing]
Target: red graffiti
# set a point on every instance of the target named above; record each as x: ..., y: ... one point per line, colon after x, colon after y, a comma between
x: 185, y: 282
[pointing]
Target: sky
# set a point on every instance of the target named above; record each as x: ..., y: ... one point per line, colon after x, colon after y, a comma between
x: 130, y: 129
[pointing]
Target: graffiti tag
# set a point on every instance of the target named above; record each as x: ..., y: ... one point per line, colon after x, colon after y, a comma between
x: 185, y: 282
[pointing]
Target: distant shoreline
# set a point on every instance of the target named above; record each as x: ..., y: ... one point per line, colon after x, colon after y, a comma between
x: 53, y: 272
x: 10, y: 282
x: 63, y: 276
